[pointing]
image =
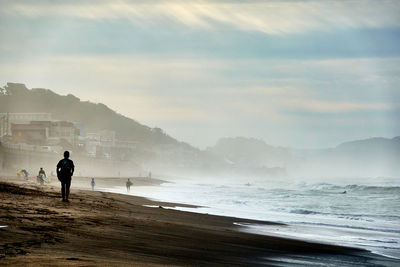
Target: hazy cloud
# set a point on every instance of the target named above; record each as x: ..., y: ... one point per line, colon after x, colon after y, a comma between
x: 309, y: 72
x: 270, y: 17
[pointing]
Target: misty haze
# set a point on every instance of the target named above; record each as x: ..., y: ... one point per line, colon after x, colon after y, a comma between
x: 200, y: 133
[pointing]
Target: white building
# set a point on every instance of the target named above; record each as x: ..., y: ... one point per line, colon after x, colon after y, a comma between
x: 6, y: 119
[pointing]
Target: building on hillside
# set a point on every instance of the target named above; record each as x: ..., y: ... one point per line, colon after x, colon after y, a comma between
x: 6, y: 119
x: 64, y: 130
x: 92, y: 142
x: 51, y: 133
x: 34, y: 134
x: 100, y: 144
x: 126, y: 144
x: 107, y: 138
x: 81, y: 127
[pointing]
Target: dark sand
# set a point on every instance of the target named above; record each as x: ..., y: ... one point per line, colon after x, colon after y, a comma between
x: 106, y: 229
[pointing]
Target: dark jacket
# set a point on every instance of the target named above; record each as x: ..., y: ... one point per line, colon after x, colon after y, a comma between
x: 65, y: 169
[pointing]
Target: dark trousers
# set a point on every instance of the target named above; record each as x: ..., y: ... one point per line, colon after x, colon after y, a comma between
x: 65, y: 185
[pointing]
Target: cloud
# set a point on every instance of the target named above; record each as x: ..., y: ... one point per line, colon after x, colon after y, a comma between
x: 215, y: 89
x: 269, y: 17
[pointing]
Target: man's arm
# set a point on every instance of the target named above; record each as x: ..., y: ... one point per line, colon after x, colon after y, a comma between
x: 58, y: 168
x: 73, y: 168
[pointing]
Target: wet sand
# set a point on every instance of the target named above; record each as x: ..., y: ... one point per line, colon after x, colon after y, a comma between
x: 106, y: 229
x: 108, y: 182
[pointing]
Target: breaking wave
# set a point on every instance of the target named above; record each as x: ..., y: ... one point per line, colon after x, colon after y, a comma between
x: 357, y: 188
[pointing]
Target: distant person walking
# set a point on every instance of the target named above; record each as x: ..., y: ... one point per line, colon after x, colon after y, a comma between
x: 92, y: 183
x: 65, y: 170
x: 128, y: 185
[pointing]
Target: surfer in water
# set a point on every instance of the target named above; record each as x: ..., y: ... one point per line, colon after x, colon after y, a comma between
x: 92, y: 183
x: 65, y: 170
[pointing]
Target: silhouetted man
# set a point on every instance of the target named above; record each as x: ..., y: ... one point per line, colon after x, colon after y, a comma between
x: 65, y: 170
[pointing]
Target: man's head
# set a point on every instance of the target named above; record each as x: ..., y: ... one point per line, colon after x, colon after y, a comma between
x: 41, y: 168
x: 66, y: 154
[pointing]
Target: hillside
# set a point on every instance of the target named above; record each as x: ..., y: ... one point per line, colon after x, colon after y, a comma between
x: 372, y: 145
x: 15, y: 97
x: 370, y: 157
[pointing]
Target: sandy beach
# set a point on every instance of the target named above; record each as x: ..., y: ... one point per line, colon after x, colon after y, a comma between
x: 107, y: 229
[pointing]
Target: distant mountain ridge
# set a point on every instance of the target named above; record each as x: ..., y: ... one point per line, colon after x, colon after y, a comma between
x: 371, y: 142
x: 369, y: 157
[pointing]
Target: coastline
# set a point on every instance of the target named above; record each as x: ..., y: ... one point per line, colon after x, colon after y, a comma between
x: 99, y: 228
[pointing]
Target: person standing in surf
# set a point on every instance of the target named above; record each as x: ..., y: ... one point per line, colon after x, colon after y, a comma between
x: 65, y: 170
x: 92, y: 183
x: 128, y: 185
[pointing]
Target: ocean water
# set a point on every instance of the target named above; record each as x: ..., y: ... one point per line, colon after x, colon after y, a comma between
x: 365, y: 214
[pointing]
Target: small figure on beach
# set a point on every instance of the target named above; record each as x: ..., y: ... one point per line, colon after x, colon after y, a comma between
x: 128, y: 185
x: 42, y: 172
x: 24, y: 173
x: 65, y: 170
x: 41, y: 176
x: 39, y: 180
x: 92, y: 183
x: 150, y: 175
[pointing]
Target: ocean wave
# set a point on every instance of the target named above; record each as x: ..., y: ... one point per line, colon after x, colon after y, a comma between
x: 378, y: 189
x: 379, y: 241
x: 348, y: 226
x: 349, y: 216
x: 355, y: 187
x: 303, y: 211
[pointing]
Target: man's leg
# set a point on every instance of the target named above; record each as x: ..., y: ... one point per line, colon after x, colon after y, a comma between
x: 67, y: 186
x: 63, y: 190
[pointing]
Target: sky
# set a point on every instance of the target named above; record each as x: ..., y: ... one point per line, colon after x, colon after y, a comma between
x: 305, y: 74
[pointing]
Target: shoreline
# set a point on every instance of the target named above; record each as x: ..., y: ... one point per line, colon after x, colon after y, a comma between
x: 99, y: 228
x: 255, y: 225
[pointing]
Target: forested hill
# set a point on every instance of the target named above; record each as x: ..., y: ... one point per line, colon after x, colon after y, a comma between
x: 15, y: 97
